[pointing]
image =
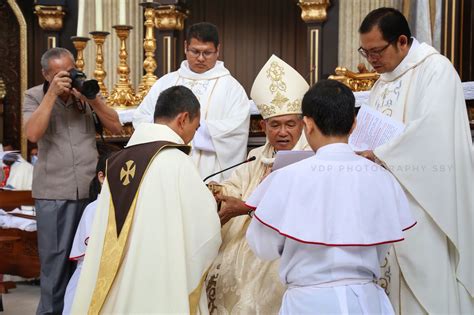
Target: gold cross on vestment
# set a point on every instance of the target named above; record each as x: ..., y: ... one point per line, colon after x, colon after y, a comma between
x: 127, y: 172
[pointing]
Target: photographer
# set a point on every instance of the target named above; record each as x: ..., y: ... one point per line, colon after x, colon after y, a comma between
x: 60, y: 119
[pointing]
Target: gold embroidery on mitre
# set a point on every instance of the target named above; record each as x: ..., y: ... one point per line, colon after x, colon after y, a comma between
x: 294, y: 107
x: 275, y: 74
x: 280, y: 100
x: 266, y: 110
x: 127, y: 173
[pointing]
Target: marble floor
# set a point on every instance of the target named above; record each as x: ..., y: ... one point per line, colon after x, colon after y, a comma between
x: 22, y: 300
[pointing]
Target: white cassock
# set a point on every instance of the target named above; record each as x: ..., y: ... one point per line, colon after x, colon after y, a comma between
x: 172, y: 240
x: 78, y: 250
x: 221, y: 140
x: 330, y: 230
x: 21, y: 175
x: 434, y: 162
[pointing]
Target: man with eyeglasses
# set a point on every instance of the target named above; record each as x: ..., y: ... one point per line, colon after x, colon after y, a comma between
x: 67, y: 157
x: 432, y: 271
x: 221, y: 140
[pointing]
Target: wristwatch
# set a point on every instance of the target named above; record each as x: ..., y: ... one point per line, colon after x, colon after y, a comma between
x: 250, y: 213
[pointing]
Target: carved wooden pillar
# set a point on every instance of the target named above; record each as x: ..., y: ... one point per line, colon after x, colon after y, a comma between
x: 314, y: 14
x: 50, y: 19
x: 169, y: 20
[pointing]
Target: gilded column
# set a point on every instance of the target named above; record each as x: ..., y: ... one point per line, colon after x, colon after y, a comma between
x: 50, y: 19
x: 169, y: 20
x: 314, y: 14
x: 149, y: 45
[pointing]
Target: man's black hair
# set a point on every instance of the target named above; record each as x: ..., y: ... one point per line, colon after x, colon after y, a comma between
x: 331, y: 105
x: 391, y: 23
x: 203, y: 32
x: 175, y: 100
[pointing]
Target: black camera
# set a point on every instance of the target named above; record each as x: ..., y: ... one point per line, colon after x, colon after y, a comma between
x: 88, y: 88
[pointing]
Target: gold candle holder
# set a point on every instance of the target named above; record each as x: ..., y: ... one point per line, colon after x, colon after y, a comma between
x: 122, y: 95
x: 149, y: 46
x: 99, y: 72
x: 80, y: 44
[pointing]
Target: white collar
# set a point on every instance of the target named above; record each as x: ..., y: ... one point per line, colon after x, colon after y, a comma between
x: 150, y: 132
x: 217, y: 71
x: 416, y: 55
x: 335, y: 148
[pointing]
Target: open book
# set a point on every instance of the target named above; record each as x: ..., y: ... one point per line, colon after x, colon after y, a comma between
x: 284, y: 158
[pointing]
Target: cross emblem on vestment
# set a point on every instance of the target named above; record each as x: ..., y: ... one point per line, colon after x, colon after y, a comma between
x: 127, y: 172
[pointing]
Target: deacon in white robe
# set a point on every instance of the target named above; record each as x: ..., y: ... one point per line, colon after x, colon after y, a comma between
x: 152, y: 259
x: 221, y: 140
x: 238, y: 281
x: 318, y: 216
x: 433, y: 270
x: 78, y: 250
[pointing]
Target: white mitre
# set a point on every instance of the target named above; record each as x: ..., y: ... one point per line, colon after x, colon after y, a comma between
x: 278, y: 89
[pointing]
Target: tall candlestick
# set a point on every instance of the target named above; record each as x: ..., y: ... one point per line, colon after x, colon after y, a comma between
x: 80, y: 18
x: 98, y: 15
x: 122, y: 11
x: 149, y: 45
x: 122, y: 94
x: 99, y: 72
x: 80, y: 44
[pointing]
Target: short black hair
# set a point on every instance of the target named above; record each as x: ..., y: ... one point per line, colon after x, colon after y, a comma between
x: 331, y: 105
x: 391, y: 22
x: 175, y: 100
x: 54, y: 53
x: 203, y: 32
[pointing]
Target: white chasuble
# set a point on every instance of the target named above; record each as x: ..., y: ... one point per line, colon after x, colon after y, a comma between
x: 221, y: 140
x: 238, y: 282
x: 433, y: 161
x: 173, y: 237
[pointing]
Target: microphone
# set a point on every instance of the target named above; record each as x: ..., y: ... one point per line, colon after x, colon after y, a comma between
x: 250, y: 159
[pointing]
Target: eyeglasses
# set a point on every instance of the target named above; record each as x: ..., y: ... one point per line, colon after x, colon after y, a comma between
x: 196, y: 53
x: 374, y: 53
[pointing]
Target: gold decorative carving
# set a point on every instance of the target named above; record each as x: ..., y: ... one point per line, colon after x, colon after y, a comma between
x: 314, y: 10
x: 361, y: 81
x: 80, y: 44
x: 50, y: 17
x: 123, y: 94
x: 23, y: 66
x: 3, y: 89
x: 169, y: 17
x: 149, y: 46
x: 99, y: 72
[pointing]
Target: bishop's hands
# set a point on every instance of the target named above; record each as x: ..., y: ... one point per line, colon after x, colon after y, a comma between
x: 230, y: 207
x: 369, y: 154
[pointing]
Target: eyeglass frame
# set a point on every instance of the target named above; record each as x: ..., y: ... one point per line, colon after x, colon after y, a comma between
x: 197, y: 53
x: 377, y: 53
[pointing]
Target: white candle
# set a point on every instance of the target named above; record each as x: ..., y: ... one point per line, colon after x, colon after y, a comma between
x: 122, y: 19
x: 80, y: 18
x: 98, y: 16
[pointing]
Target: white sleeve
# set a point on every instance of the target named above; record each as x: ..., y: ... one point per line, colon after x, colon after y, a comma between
x: 145, y: 111
x: 266, y: 243
x: 202, y: 139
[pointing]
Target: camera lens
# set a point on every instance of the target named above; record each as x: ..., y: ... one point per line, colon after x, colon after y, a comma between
x: 88, y: 88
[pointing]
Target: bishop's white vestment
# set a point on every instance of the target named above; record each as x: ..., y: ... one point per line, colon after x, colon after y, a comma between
x: 330, y: 230
x: 221, y: 140
x: 172, y: 234
x: 433, y: 161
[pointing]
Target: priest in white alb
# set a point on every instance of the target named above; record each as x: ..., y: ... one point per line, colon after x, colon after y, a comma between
x: 433, y: 270
x: 317, y: 215
x: 221, y: 140
x: 238, y: 281
x: 156, y: 229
